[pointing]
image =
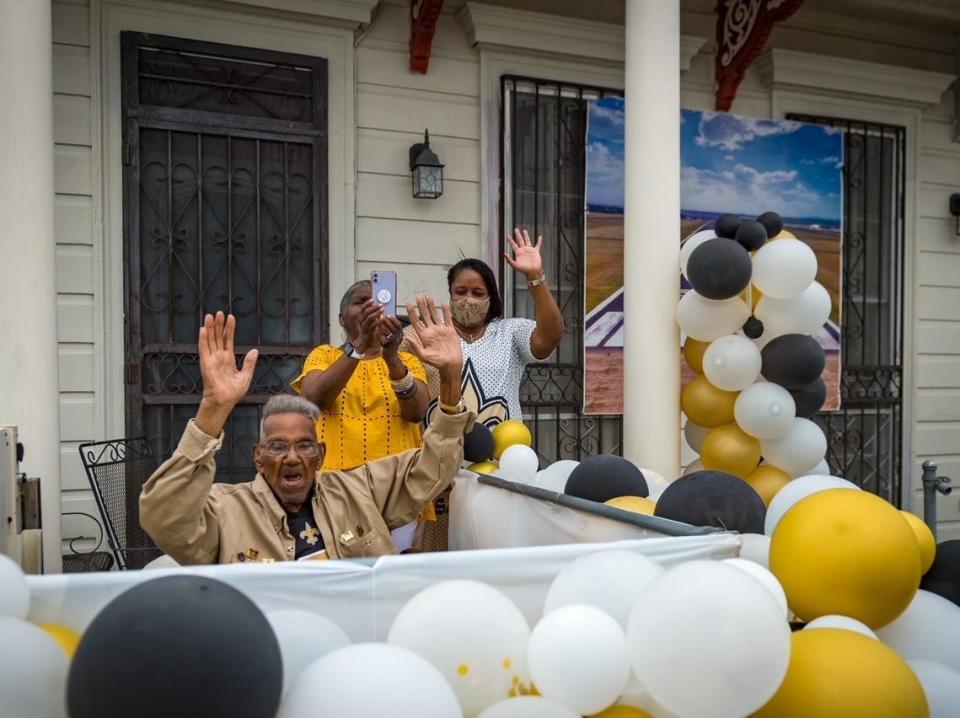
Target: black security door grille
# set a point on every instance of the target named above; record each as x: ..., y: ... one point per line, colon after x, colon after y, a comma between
x: 225, y: 209
x: 542, y: 173
x: 865, y: 438
x: 543, y: 157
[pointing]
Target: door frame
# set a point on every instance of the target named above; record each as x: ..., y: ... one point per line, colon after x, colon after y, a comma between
x: 324, y: 37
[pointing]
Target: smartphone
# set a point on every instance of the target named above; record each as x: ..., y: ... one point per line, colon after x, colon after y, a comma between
x: 385, y: 291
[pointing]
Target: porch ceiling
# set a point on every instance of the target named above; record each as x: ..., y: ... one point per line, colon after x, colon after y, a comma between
x: 944, y: 15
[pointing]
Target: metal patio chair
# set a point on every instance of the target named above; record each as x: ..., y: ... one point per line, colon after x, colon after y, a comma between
x: 117, y: 470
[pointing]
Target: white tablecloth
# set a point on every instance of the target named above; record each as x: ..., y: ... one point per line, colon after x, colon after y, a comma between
x: 364, y: 597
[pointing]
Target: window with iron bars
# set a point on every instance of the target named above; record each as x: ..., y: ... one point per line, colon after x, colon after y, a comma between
x: 543, y: 154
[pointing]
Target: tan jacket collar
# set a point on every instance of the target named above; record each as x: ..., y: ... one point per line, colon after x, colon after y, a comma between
x: 269, y: 501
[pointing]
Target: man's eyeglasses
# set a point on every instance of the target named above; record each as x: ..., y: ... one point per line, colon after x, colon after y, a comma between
x: 306, y: 449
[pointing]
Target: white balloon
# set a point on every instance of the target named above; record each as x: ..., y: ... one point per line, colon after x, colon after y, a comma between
x: 33, y: 671
x: 162, y: 561
x: 691, y: 243
x: 797, y: 451
x: 821, y: 469
x: 796, y: 490
x: 756, y: 548
x: 721, y: 626
x: 578, y: 657
x: 370, y: 679
x: 941, y: 684
x: 764, y: 576
x: 519, y: 463
x: 303, y: 638
x: 844, y: 622
x: 707, y: 319
x: 555, y: 476
x: 732, y: 363
x: 783, y: 269
x: 693, y: 467
x: 528, y: 707
x: 609, y: 580
x: 656, y: 484
x: 14, y: 593
x: 765, y: 410
x: 803, y: 314
x: 695, y: 434
x: 928, y: 629
x: 474, y: 635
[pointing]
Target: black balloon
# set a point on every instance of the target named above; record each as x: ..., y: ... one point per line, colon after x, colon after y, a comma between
x: 751, y: 235
x: 177, y: 646
x: 793, y: 360
x: 478, y: 444
x: 810, y: 398
x: 604, y: 477
x: 773, y: 223
x: 719, y: 269
x: 726, y: 226
x: 753, y: 328
x: 943, y: 578
x: 713, y: 498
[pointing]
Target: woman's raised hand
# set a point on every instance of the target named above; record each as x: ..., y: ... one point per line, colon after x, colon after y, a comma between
x: 526, y: 255
x: 369, y: 336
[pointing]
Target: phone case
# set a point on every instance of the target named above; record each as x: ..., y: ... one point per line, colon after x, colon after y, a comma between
x: 385, y: 291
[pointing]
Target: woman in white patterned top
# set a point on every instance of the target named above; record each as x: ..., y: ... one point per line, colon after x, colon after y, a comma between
x: 496, y: 350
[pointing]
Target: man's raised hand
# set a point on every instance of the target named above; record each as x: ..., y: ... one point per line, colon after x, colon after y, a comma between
x: 436, y: 341
x: 223, y: 384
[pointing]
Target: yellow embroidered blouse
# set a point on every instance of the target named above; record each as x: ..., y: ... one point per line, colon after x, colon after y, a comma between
x: 365, y: 423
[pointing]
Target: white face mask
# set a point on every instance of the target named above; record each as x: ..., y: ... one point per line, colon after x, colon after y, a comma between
x: 469, y: 312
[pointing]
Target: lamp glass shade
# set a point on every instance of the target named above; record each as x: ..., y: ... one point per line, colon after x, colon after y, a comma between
x: 427, y: 181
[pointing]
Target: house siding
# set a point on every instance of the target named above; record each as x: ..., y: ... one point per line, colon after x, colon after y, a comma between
x: 936, y: 429
x: 76, y: 279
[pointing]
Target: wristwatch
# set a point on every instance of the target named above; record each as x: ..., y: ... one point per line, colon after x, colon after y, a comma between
x: 351, y: 351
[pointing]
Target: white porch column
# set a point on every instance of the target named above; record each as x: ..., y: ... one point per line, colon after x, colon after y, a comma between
x: 651, y: 392
x: 29, y: 385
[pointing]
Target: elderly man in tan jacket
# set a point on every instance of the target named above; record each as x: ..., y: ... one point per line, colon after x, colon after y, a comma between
x: 292, y: 509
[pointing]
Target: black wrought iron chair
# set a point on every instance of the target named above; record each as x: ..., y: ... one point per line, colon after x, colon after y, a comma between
x: 117, y: 470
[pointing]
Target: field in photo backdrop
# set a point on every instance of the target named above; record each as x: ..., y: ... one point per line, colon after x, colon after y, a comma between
x: 730, y: 164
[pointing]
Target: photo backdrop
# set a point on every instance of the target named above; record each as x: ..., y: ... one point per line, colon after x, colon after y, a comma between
x: 742, y: 165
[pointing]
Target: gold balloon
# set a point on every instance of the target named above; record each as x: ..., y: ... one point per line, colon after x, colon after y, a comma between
x: 507, y: 434
x: 637, y: 504
x: 767, y: 480
x: 729, y: 448
x: 622, y: 712
x: 484, y: 467
x: 755, y: 296
x: 64, y: 635
x: 848, y: 553
x: 693, y: 350
x: 706, y: 405
x: 784, y: 234
x: 928, y: 544
x: 834, y: 673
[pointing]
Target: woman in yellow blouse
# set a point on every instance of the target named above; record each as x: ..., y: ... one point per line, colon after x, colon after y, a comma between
x: 372, y: 396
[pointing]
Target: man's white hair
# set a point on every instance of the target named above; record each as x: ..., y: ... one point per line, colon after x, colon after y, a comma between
x: 288, y: 404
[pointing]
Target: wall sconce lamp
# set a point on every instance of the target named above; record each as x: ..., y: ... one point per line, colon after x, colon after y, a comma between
x: 426, y: 170
x: 955, y: 209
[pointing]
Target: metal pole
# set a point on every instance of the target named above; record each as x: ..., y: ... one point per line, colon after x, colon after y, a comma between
x: 932, y: 484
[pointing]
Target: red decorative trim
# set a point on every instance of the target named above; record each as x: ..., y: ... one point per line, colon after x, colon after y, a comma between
x: 743, y: 27
x: 423, y: 24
